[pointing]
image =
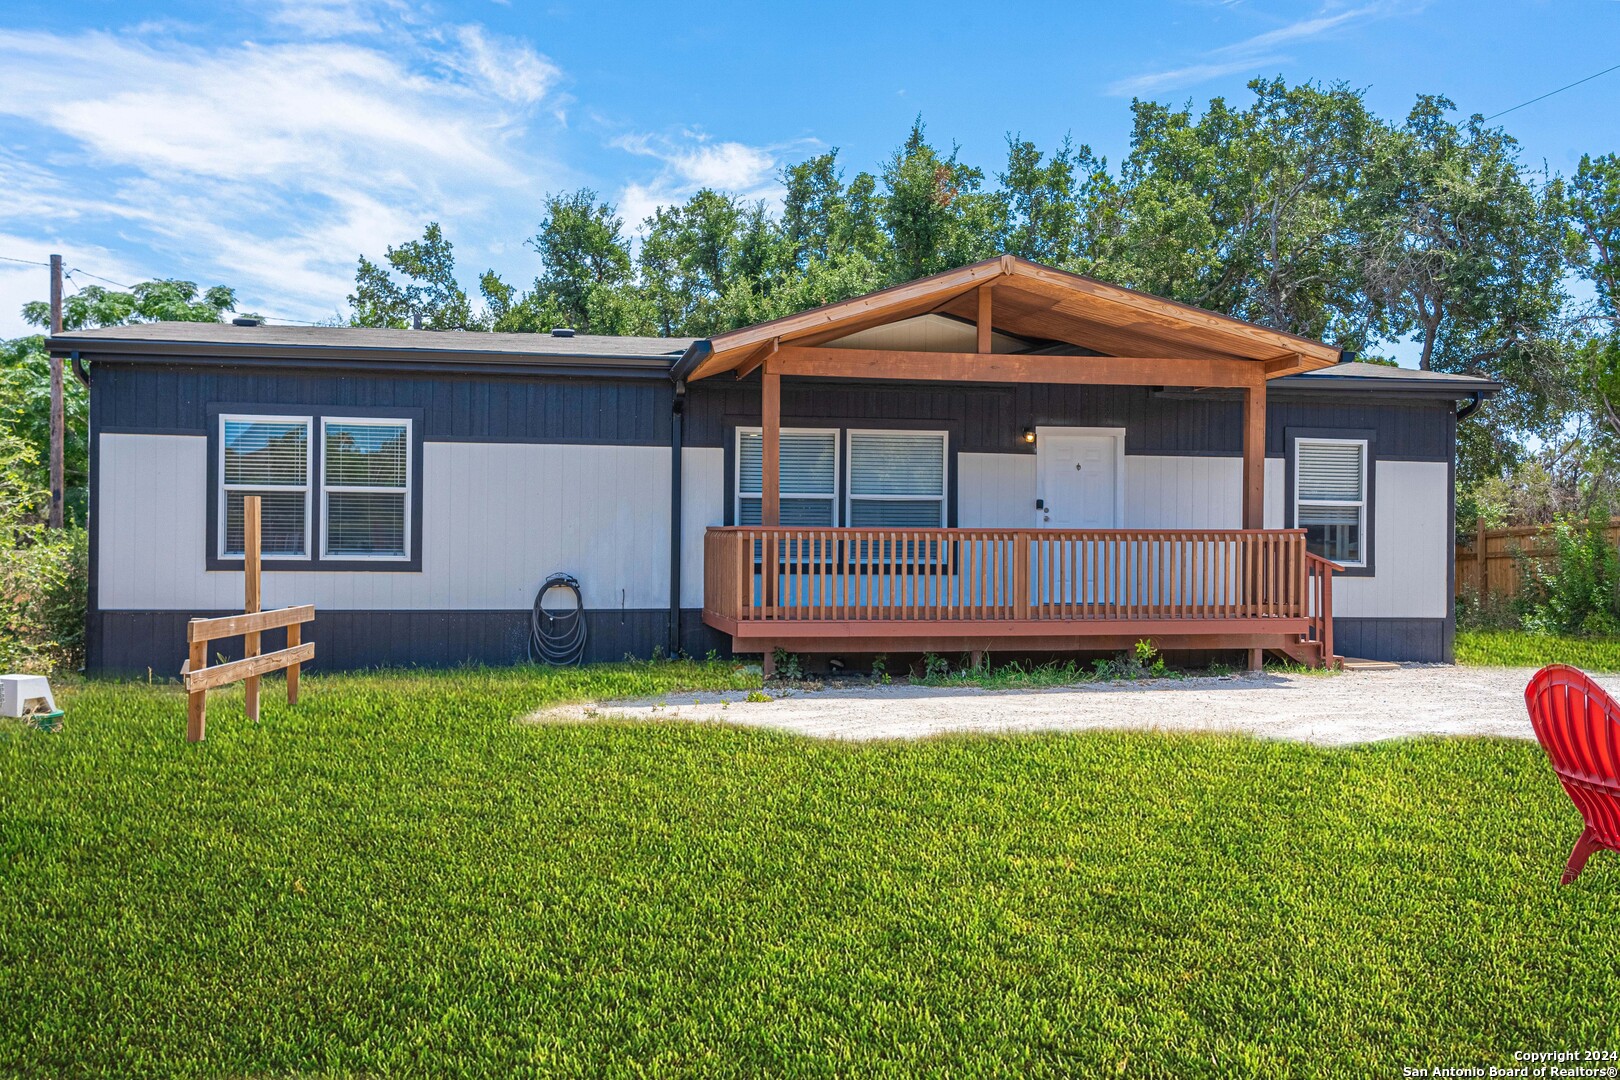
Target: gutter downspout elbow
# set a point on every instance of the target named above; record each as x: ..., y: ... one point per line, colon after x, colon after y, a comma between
x: 1472, y: 407
x: 78, y: 369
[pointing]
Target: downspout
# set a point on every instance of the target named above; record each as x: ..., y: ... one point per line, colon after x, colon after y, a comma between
x: 676, y: 437
x: 1472, y: 407
x: 78, y: 369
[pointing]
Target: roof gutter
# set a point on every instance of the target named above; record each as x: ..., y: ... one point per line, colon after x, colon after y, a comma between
x: 697, y: 352
x: 1472, y: 407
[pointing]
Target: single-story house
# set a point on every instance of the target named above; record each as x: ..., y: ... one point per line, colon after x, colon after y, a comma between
x: 1003, y: 458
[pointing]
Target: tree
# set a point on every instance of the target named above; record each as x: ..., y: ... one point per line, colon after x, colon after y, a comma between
x: 165, y: 300
x: 430, y: 293
x: 25, y: 371
x: 1594, y: 206
x: 1464, y: 255
x: 688, y: 260
x: 934, y: 210
x: 1246, y: 211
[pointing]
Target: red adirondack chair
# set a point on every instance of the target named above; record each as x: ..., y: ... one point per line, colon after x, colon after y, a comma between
x: 1578, y: 724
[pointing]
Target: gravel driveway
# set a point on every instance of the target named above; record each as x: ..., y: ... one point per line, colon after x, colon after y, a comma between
x: 1352, y: 707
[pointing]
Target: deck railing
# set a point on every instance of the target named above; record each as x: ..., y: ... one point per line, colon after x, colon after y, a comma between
x: 791, y: 574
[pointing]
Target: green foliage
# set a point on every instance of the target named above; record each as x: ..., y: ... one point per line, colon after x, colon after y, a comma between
x: 430, y: 292
x: 165, y: 300
x: 43, y: 572
x: 25, y: 412
x: 395, y: 877
x: 1576, y: 593
x: 788, y: 665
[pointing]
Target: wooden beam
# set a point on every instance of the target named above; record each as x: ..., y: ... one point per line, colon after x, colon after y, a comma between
x: 1014, y: 367
x: 756, y: 358
x: 232, y: 625
x: 770, y: 431
x: 1254, y: 457
x: 250, y: 667
x: 985, y: 321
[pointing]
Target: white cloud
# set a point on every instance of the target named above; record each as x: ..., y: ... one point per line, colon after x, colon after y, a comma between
x: 270, y: 164
x: 1251, y: 54
x: 511, y: 70
x: 695, y: 161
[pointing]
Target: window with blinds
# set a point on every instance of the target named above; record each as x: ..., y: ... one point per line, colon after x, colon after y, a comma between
x: 1330, y: 498
x: 267, y: 456
x: 809, y: 480
x: 365, y: 488
x: 897, y: 479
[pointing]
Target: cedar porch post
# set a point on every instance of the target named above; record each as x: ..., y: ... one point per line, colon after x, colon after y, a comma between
x: 1254, y: 484
x: 770, y: 438
x: 1254, y: 456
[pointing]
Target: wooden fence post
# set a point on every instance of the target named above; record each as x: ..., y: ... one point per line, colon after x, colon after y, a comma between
x: 1481, y: 577
x: 250, y: 587
x: 197, y: 700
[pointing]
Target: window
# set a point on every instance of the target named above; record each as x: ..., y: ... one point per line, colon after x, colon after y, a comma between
x: 897, y: 479
x: 267, y: 456
x: 809, y: 468
x: 365, y: 488
x: 1330, y: 497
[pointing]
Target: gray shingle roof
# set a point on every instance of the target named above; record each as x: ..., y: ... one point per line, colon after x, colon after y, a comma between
x: 355, y: 337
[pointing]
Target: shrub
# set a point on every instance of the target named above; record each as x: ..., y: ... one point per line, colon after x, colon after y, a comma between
x: 43, y: 572
x: 1578, y: 594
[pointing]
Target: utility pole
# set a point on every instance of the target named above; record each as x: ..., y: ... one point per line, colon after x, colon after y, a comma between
x: 58, y: 420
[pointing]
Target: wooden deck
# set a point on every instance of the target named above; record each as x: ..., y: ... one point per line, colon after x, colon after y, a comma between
x: 974, y: 590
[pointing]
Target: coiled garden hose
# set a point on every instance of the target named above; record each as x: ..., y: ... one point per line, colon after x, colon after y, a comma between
x: 557, y: 637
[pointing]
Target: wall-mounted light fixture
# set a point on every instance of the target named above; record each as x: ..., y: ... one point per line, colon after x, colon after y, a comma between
x: 1029, y: 435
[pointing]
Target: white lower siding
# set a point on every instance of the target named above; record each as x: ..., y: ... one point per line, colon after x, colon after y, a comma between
x: 995, y: 490
x: 1410, y: 539
x: 703, y: 503
x: 1412, y: 547
x: 498, y: 518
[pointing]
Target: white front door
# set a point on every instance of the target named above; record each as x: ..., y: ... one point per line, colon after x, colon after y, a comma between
x: 1077, y: 481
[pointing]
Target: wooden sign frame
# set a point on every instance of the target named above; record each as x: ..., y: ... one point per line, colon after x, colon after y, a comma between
x: 200, y: 678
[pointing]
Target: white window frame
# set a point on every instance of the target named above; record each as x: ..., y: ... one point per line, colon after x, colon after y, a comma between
x: 1360, y: 505
x: 736, y: 481
x: 224, y: 498
x: 944, y: 496
x: 350, y: 489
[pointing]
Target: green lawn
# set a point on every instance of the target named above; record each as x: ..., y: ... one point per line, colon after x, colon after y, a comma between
x: 398, y: 878
x: 1515, y: 648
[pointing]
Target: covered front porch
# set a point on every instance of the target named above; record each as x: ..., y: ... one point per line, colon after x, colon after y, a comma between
x: 1061, y: 573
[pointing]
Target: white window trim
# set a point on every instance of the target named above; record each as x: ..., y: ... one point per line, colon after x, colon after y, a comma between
x: 309, y: 463
x: 736, y: 482
x: 1359, y: 504
x: 346, y: 489
x: 944, y: 496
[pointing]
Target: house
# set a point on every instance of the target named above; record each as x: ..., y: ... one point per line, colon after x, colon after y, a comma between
x: 1003, y: 458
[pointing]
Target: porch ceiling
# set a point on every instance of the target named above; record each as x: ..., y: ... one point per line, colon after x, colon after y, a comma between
x: 1030, y: 302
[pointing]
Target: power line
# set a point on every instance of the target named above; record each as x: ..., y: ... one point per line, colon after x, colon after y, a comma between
x: 1550, y: 93
x: 98, y: 277
x: 25, y: 262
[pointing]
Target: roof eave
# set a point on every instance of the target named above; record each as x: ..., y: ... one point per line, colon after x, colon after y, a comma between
x: 293, y: 354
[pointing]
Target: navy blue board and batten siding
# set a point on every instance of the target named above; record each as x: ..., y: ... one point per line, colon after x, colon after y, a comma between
x: 625, y: 410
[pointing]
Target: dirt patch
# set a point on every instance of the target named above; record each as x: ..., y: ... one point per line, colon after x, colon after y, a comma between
x: 1353, y: 707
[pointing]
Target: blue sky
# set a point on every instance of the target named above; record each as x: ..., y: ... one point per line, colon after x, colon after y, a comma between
x: 265, y: 145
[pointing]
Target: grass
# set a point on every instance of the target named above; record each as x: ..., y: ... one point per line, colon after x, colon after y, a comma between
x: 1515, y: 648
x: 398, y: 878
